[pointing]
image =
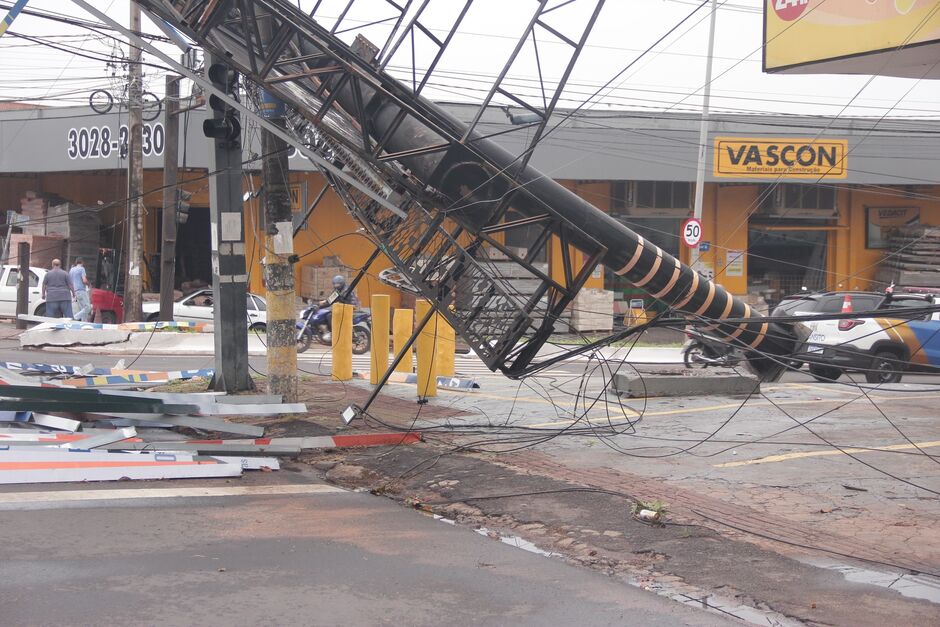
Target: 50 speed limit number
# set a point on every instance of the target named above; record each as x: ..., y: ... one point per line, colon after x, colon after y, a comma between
x: 692, y: 232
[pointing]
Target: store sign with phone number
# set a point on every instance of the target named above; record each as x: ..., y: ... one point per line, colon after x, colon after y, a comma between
x: 103, y: 142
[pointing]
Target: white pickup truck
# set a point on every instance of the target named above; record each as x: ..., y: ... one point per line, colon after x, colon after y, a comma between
x: 881, y: 348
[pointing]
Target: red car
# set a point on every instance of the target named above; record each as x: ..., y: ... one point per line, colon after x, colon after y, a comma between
x: 107, y: 307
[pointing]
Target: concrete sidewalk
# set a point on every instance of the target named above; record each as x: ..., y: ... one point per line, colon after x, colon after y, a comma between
x: 117, y: 342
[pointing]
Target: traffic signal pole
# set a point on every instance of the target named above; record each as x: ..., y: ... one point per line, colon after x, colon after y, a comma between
x: 170, y: 197
x: 229, y: 278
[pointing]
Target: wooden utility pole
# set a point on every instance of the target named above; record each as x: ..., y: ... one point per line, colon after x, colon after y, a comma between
x: 133, y: 284
x: 170, y: 197
x: 279, y: 248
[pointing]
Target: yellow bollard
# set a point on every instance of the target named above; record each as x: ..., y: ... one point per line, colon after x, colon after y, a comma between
x: 342, y: 342
x: 427, y: 352
x: 404, y: 325
x: 446, y: 347
x: 381, y: 304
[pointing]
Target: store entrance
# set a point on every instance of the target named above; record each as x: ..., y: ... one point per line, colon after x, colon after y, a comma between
x: 194, y: 250
x: 782, y: 262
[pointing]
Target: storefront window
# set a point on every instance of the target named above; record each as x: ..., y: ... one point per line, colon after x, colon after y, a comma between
x: 650, y: 195
x: 808, y: 197
x: 883, y: 223
x: 662, y: 194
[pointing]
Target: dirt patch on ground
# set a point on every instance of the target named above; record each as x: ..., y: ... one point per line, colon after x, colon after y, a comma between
x: 596, y: 529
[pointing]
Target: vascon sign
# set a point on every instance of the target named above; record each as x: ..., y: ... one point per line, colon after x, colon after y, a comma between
x: 763, y: 157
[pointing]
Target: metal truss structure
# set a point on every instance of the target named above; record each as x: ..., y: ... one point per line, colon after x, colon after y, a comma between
x: 466, y: 223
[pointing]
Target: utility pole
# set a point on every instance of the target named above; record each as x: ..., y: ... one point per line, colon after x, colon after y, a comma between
x: 133, y: 284
x: 279, y: 247
x: 171, y: 197
x: 22, y: 285
x: 703, y: 133
x: 229, y: 279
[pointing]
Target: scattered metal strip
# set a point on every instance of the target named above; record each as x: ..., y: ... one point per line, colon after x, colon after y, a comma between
x: 248, y: 399
x: 219, y: 406
x: 49, y: 368
x: 138, y: 378
x: 87, y: 400
x: 140, y: 421
x: 101, y: 439
x: 226, y: 448
x: 221, y: 409
x: 56, y: 422
x: 45, y: 438
x: 61, y: 496
x: 52, y: 465
x: 15, y: 416
x: 251, y: 463
x: 205, y: 423
x: 100, y: 407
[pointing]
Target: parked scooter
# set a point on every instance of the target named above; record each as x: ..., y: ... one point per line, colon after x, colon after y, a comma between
x: 312, y: 325
x: 702, y: 350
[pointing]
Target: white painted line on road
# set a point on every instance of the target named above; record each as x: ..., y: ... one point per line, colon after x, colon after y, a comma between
x: 770, y: 459
x: 61, y: 496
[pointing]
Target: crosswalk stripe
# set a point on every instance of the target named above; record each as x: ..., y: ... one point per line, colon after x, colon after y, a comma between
x: 58, y: 496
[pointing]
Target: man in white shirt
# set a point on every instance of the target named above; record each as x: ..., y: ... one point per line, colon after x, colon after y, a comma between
x: 79, y: 280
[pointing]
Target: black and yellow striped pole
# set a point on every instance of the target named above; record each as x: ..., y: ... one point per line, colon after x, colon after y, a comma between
x: 477, y: 174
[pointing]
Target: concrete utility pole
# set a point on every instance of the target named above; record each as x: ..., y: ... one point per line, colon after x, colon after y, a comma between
x: 229, y: 279
x: 170, y: 197
x: 278, y: 269
x: 703, y: 132
x: 278, y: 247
x: 133, y: 284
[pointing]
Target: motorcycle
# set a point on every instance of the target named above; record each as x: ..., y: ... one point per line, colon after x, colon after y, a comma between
x: 702, y: 350
x: 312, y: 325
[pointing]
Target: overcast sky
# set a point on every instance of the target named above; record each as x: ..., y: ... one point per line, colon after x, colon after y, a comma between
x: 668, y: 78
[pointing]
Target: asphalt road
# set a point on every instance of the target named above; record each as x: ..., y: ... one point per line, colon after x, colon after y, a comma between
x: 823, y: 458
x: 324, y: 557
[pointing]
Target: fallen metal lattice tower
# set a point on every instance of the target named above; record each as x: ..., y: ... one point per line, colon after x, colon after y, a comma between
x: 453, y: 196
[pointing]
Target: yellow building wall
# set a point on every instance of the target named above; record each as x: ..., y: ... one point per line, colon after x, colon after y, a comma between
x: 730, y: 208
x: 332, y: 231
x: 598, y: 194
x: 853, y: 265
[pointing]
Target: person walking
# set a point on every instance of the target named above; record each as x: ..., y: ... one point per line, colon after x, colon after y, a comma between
x: 57, y: 291
x: 79, y: 280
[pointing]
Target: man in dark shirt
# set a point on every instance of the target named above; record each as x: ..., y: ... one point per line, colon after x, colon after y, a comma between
x: 57, y: 291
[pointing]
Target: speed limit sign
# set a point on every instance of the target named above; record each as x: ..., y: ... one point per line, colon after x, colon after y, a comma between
x: 692, y: 232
